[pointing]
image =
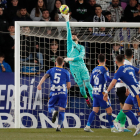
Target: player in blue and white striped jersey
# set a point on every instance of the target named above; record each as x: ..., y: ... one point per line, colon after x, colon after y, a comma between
x: 127, y: 74
x: 60, y: 82
x: 99, y: 78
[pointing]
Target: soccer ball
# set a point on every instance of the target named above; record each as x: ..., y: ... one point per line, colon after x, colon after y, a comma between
x: 64, y: 9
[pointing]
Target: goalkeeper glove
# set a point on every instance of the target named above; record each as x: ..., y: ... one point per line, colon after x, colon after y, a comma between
x: 68, y: 59
x: 66, y: 17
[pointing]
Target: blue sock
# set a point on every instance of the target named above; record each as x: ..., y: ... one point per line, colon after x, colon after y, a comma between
x: 110, y: 120
x: 91, y: 118
x: 131, y: 115
x: 61, y: 118
x: 51, y: 109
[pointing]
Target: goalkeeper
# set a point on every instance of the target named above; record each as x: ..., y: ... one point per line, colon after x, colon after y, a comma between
x: 75, y: 55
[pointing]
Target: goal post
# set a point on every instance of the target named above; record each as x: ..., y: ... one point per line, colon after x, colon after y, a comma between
x: 19, y: 24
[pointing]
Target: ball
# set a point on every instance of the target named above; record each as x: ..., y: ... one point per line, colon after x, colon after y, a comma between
x: 64, y: 9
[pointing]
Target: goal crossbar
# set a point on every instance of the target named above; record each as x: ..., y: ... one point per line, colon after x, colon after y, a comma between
x: 77, y: 24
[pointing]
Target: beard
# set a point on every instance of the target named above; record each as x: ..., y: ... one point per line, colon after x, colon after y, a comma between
x: 75, y: 39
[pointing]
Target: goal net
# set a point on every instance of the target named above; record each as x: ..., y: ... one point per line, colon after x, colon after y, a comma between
x: 37, y: 46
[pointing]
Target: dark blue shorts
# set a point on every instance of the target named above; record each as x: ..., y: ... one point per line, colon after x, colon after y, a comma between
x: 58, y: 99
x: 99, y: 102
x: 135, y: 101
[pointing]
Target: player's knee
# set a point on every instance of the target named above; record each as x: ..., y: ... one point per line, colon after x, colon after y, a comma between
x: 87, y: 84
x: 61, y: 109
x: 95, y: 109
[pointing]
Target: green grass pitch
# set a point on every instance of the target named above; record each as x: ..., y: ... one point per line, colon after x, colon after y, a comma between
x: 66, y: 134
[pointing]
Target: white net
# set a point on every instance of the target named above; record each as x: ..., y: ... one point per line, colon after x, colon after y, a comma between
x: 40, y: 46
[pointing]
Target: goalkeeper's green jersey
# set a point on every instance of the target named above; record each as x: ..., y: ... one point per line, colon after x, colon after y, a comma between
x: 74, y: 50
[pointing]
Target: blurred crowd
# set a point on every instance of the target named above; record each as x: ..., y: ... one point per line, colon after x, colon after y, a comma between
x: 80, y: 11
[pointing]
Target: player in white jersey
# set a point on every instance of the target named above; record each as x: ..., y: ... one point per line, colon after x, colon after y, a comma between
x: 122, y: 93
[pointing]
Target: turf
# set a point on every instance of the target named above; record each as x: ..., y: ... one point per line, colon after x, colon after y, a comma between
x: 66, y: 134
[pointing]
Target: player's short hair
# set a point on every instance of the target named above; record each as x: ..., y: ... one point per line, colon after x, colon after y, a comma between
x: 120, y: 58
x: 59, y: 60
x: 101, y: 57
x: 128, y: 53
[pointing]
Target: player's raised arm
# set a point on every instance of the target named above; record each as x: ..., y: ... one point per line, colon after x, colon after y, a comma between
x: 69, y: 35
x: 42, y: 81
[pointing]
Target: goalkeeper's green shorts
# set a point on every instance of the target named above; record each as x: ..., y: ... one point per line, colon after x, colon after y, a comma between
x: 80, y: 74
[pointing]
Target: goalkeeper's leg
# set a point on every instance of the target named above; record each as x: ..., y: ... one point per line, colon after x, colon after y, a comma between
x: 78, y: 79
x: 86, y: 78
x: 89, y: 87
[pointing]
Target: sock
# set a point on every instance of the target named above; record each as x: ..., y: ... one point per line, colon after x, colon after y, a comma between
x: 89, y: 87
x: 60, y: 118
x: 110, y: 120
x: 83, y: 91
x: 91, y: 118
x: 131, y: 115
x: 51, y: 109
x: 122, y: 118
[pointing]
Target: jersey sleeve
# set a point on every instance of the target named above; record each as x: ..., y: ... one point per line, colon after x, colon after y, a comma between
x: 118, y: 74
x: 136, y: 69
x: 106, y: 76
x: 81, y: 54
x: 67, y: 77
x: 48, y: 72
x: 69, y: 37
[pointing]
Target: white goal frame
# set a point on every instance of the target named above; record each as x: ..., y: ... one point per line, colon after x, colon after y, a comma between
x: 18, y: 24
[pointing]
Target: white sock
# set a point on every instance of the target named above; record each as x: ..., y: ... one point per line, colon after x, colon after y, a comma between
x: 58, y: 126
x: 53, y: 112
x: 138, y: 126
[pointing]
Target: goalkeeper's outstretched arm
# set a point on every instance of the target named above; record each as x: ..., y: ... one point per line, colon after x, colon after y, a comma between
x: 69, y: 35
